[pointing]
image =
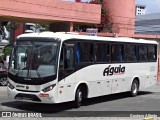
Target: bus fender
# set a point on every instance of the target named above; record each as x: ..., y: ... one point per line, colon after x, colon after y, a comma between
x: 77, y: 85
x: 136, y: 77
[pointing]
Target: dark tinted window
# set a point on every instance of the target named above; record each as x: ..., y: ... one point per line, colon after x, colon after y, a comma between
x: 102, y: 52
x: 69, y: 58
x: 117, y: 53
x: 130, y: 53
x: 152, y: 55
x: 85, y: 52
x: 143, y: 53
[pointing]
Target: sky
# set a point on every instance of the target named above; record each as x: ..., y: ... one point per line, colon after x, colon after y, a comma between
x: 153, y: 6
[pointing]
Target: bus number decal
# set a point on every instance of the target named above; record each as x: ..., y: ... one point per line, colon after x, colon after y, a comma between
x: 113, y: 70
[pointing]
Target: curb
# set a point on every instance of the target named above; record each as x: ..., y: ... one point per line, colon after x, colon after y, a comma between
x: 148, y: 118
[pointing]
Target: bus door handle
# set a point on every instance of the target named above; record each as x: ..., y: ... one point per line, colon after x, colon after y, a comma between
x: 68, y: 85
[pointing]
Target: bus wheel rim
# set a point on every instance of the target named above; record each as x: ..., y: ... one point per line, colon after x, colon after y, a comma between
x: 134, y: 88
x: 3, y: 81
x: 79, y: 96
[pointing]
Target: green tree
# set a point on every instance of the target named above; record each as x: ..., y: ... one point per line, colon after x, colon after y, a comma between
x: 106, y: 19
x: 11, y: 27
x: 6, y: 52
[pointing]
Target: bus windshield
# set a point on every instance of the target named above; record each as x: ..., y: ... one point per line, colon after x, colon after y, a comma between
x: 32, y: 59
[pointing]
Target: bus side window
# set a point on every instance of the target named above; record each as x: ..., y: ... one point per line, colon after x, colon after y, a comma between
x: 130, y: 53
x: 78, y: 53
x: 117, y: 53
x: 84, y: 53
x: 143, y: 53
x: 69, y: 58
x: 102, y: 52
x: 152, y: 53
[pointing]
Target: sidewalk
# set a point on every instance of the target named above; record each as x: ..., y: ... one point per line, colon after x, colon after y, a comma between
x: 3, y: 90
x: 158, y: 82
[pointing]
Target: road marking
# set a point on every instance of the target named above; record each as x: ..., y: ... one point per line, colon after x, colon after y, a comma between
x: 148, y: 118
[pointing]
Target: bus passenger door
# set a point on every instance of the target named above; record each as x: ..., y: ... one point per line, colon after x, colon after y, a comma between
x: 66, y: 76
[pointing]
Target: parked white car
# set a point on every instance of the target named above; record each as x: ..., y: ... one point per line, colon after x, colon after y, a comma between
x: 3, y: 75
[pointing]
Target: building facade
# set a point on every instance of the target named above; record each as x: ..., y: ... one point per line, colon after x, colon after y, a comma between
x: 123, y: 15
x: 140, y: 9
x: 148, y: 24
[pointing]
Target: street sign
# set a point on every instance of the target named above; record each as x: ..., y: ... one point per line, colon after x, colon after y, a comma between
x: 91, y: 31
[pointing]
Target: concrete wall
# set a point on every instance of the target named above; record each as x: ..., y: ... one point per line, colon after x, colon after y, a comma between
x: 123, y: 14
x: 49, y: 11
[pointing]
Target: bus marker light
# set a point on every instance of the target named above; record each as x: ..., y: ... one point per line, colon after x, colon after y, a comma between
x: 43, y: 95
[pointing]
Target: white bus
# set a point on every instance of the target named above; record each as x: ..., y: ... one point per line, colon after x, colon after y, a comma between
x: 60, y: 67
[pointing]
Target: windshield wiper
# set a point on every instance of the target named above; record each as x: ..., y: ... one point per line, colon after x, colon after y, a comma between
x: 29, y: 60
x: 39, y: 76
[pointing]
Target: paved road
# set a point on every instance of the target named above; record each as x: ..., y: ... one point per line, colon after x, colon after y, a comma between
x: 111, y: 105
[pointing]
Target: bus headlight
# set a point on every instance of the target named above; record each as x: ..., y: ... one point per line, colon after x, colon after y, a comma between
x: 49, y: 88
x: 10, y: 86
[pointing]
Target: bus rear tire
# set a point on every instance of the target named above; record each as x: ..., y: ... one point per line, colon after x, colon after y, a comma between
x: 134, y: 88
x: 78, y: 98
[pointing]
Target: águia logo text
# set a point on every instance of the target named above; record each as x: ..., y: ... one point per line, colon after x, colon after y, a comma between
x: 113, y: 70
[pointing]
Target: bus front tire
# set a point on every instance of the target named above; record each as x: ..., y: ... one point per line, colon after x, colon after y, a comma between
x: 78, y: 98
x: 3, y: 81
x: 134, y: 88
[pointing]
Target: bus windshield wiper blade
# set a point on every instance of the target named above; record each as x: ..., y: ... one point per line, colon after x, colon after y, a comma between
x: 39, y: 76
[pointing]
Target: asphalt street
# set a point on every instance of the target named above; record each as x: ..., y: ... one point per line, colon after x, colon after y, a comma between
x: 117, y: 105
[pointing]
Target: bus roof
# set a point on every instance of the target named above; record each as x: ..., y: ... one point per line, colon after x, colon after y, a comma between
x: 63, y: 36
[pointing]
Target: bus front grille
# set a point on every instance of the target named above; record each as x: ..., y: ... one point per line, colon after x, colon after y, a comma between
x: 21, y: 96
x: 26, y: 91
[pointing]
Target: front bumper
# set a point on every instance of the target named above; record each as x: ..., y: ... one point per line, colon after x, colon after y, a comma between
x: 14, y: 94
